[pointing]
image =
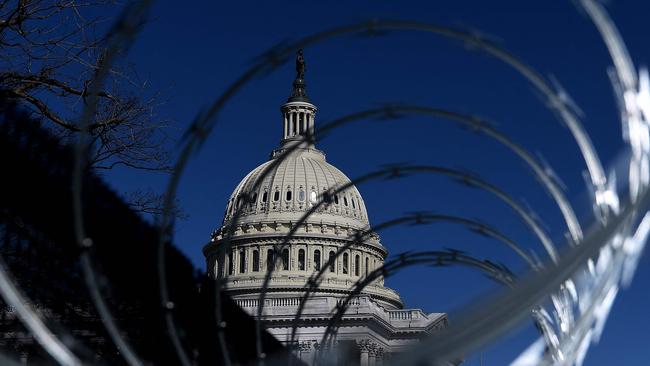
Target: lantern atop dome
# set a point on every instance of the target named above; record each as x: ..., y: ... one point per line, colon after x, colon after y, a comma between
x: 298, y: 112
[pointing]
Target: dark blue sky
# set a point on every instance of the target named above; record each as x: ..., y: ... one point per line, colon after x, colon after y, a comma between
x: 192, y: 51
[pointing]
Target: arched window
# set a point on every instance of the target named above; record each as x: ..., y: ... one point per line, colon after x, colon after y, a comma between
x: 285, y: 259
x: 276, y: 196
x: 231, y: 264
x: 301, y: 259
x: 265, y: 197
x: 367, y: 260
x: 354, y: 204
x: 254, y: 198
x: 357, y: 262
x: 345, y: 263
x: 345, y: 200
x: 312, y: 197
x: 256, y: 260
x: 336, y: 199
x: 332, y: 261
x: 288, y: 197
x: 270, y: 258
x: 317, y: 260
x: 301, y: 195
x: 242, y: 261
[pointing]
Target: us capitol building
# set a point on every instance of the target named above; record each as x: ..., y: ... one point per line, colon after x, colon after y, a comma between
x: 375, y: 324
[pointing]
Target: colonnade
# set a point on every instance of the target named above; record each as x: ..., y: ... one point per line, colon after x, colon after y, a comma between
x: 299, y: 257
x: 298, y: 120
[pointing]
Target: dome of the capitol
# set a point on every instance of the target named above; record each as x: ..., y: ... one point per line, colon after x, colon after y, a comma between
x: 273, y: 200
x: 285, y: 190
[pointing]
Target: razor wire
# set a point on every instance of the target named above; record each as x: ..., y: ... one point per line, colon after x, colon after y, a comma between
x: 581, y: 281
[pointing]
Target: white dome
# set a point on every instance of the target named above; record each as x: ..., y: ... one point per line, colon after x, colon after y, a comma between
x: 292, y: 187
x: 273, y: 198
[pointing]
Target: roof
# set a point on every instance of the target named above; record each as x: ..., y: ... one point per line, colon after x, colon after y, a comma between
x: 284, y: 189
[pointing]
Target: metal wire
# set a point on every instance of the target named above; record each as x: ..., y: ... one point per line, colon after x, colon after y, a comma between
x: 585, y: 276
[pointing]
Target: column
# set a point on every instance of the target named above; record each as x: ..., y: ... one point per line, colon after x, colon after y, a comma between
x: 284, y: 117
x: 235, y: 261
x: 380, y: 356
x: 372, y: 353
x: 364, y: 350
x: 290, y: 123
x: 310, y: 123
x: 364, y: 358
x: 249, y: 260
x: 387, y: 357
x: 306, y: 349
x: 308, y: 257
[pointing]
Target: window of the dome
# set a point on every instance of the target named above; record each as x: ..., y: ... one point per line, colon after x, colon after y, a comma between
x: 357, y: 263
x: 285, y: 259
x: 301, y: 259
x: 242, y: 261
x: 354, y: 205
x: 276, y: 196
x: 345, y: 200
x: 301, y: 195
x: 256, y: 260
x: 336, y: 199
x: 345, y: 263
x: 265, y: 196
x: 332, y: 261
x: 312, y: 196
x: 254, y: 199
x: 270, y: 258
x: 317, y: 260
x: 289, y: 195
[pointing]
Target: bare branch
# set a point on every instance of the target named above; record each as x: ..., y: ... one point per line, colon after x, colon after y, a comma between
x: 50, y: 51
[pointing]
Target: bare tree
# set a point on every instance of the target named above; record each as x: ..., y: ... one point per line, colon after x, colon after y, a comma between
x: 49, y: 51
